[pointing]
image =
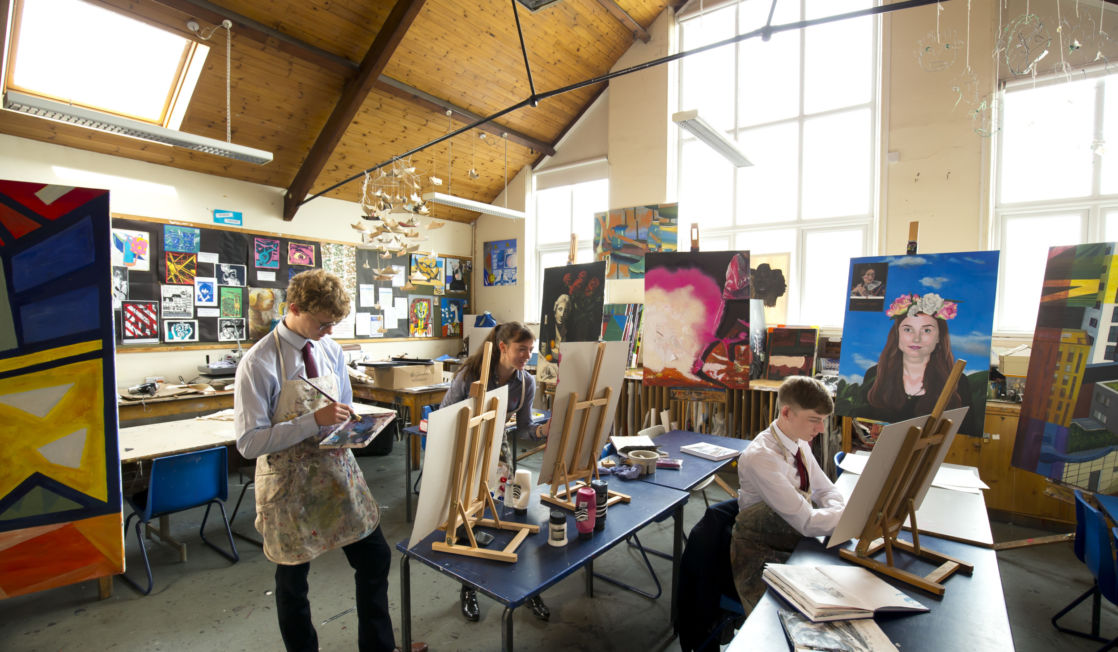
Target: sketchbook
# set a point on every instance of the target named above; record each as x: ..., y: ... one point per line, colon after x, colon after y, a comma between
x: 710, y: 451
x: 839, y: 636
x: 838, y: 592
x: 357, y: 434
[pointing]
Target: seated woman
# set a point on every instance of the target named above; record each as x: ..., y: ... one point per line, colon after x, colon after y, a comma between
x: 513, y: 347
x: 914, y: 365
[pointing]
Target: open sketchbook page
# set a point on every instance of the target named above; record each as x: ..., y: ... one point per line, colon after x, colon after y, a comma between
x: 838, y: 636
x: 836, y: 592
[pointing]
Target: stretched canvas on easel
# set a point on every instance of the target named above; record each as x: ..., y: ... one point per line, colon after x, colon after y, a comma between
x: 908, y: 318
x: 623, y: 236
x: 575, y: 372
x: 571, y: 310
x: 60, y: 500
x: 1067, y: 430
x: 696, y: 323
x: 438, y: 461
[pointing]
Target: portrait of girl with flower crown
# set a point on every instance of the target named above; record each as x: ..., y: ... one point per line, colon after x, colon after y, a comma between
x: 938, y: 308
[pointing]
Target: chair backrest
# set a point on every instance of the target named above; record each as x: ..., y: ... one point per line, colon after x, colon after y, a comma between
x: 1080, y: 524
x: 838, y: 460
x: 187, y: 480
x: 1096, y: 550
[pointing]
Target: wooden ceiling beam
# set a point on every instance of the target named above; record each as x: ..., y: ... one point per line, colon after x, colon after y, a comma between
x: 625, y: 19
x: 402, y: 90
x: 353, y: 95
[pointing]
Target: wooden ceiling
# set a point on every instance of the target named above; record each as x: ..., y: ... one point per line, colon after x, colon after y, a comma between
x: 333, y: 87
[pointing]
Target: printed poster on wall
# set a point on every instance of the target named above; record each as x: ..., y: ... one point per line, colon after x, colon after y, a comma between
x: 499, y: 262
x: 908, y: 319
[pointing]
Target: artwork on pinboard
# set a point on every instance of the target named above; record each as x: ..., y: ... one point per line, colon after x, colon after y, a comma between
x: 458, y: 275
x: 791, y: 352
x: 266, y: 307
x: 932, y: 310
x: 452, y: 311
x: 571, y: 309
x: 231, y: 275
x: 624, y: 235
x: 231, y: 301
x: 178, y: 302
x: 131, y: 249
x: 230, y: 330
x: 499, y: 264
x: 696, y: 330
x: 139, y: 322
x: 181, y: 267
x: 181, y: 238
x: 427, y: 270
x: 60, y: 499
x: 419, y: 317
x: 120, y: 286
x: 1068, y: 428
x: 205, y: 291
x: 300, y: 253
x: 266, y: 253
x: 177, y: 331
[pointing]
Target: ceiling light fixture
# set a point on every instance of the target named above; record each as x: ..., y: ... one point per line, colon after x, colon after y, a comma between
x: 699, y: 128
x: 471, y: 205
x: 76, y: 115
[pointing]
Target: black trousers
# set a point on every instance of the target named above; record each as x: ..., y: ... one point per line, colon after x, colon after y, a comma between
x: 704, y: 576
x: 370, y: 558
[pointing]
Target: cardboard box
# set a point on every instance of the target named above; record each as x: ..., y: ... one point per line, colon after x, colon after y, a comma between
x: 405, y: 376
x: 1015, y: 362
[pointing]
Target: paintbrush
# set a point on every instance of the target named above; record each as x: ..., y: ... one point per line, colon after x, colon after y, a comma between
x: 356, y: 417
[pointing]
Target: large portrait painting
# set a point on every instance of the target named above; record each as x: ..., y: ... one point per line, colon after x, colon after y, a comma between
x: 571, y: 310
x: 908, y: 319
x: 1068, y: 430
x: 696, y: 324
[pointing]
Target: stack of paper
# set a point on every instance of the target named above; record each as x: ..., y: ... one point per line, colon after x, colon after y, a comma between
x: 840, y: 636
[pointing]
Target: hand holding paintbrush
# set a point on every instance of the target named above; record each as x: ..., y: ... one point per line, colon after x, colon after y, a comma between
x: 353, y: 415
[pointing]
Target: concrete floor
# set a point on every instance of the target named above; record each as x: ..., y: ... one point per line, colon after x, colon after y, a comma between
x: 209, y: 604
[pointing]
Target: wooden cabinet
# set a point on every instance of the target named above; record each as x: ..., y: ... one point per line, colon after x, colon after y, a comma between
x: 1012, y: 491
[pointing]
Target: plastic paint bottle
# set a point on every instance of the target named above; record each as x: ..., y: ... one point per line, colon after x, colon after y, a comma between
x: 601, y: 491
x: 586, y: 505
x: 557, y: 533
x: 521, y: 491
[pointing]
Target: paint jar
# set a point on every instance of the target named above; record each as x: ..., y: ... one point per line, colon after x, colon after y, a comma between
x: 586, y: 506
x: 557, y: 532
x: 601, y: 492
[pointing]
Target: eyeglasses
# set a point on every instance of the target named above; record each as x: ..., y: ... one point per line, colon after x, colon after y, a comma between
x: 323, y: 325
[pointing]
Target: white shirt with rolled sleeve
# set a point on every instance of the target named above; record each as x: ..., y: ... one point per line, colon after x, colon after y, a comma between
x: 258, y: 384
x: 767, y: 472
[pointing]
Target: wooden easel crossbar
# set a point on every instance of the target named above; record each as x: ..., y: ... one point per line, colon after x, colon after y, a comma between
x: 912, y: 470
x: 476, y: 433
x: 567, y: 481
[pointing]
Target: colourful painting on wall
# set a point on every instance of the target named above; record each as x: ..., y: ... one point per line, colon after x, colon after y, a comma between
x: 300, y: 253
x: 458, y: 275
x: 60, y: 501
x: 500, y: 262
x: 181, y: 238
x: 452, y: 311
x: 623, y: 236
x: 908, y: 319
x: 791, y: 352
x: 181, y: 268
x: 696, y: 319
x: 571, y: 310
x: 427, y: 270
x: 131, y: 249
x: 419, y: 318
x: 267, y: 253
x: 231, y: 301
x: 140, y: 321
x: 1068, y: 429
x: 266, y: 307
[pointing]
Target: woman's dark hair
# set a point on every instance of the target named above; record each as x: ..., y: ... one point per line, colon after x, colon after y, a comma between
x: 510, y: 332
x: 888, y: 392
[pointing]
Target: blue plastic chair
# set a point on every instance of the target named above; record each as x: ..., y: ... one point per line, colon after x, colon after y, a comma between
x: 838, y: 460
x: 181, y: 482
x: 1093, y: 548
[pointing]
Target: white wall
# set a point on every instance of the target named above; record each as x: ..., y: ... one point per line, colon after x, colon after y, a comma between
x: 148, y: 190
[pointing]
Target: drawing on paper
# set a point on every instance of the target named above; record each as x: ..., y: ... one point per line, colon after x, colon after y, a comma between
x: 231, y: 301
x: 267, y: 253
x: 230, y: 330
x: 139, y: 321
x: 178, y: 302
x: 181, y: 238
x: 232, y: 275
x: 300, y: 253
x: 181, y: 267
x: 177, y: 331
x: 131, y: 249
x: 205, y: 291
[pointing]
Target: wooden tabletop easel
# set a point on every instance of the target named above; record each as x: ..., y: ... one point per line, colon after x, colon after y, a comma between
x: 913, y: 469
x: 469, y: 485
x: 566, y: 481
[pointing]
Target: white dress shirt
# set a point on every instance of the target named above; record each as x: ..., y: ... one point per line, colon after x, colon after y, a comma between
x: 767, y: 472
x: 258, y: 387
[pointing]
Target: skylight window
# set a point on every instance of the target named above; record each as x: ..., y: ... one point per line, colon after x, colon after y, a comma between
x: 74, y: 52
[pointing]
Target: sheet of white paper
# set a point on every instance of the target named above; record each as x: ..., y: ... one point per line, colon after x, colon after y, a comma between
x: 209, y: 312
x: 390, y: 320
x: 375, y: 322
x: 398, y: 276
x: 400, y: 305
x: 367, y: 294
x: 438, y: 465
x: 346, y: 326
x: 265, y: 276
x: 576, y: 367
x: 207, y: 257
x: 385, y: 296
x: 361, y: 325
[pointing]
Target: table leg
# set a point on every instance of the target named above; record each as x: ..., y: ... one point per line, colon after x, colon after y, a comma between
x: 506, y: 630
x: 405, y: 601
x: 677, y: 553
x: 590, y: 578
x: 105, y: 587
x: 164, y: 535
x: 415, y: 410
x: 407, y: 477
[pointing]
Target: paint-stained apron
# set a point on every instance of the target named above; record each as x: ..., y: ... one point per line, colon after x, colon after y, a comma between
x: 760, y: 535
x: 309, y: 499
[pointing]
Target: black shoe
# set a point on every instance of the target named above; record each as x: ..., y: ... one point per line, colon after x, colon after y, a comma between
x: 535, y: 603
x: 470, y: 609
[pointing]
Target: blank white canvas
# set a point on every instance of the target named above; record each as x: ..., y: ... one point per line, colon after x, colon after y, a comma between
x: 576, y: 367
x: 438, y: 461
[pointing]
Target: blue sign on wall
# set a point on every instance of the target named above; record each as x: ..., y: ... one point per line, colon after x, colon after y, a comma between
x: 231, y: 218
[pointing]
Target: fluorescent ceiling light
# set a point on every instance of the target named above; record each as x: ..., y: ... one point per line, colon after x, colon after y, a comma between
x: 699, y: 128
x: 90, y: 119
x: 471, y: 205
